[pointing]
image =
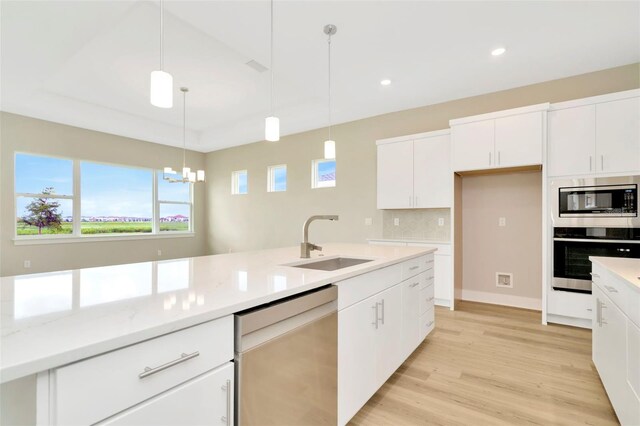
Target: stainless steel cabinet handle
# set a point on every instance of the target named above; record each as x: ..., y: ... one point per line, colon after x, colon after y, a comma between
x: 382, y: 305
x: 598, y: 313
x: 430, y: 299
x: 410, y: 201
x: 430, y: 323
x: 602, y: 162
x: 148, y: 371
x: 428, y: 278
x: 498, y: 158
x: 590, y: 163
x: 227, y: 419
x: 489, y: 157
x: 594, y: 275
x: 610, y: 289
x: 413, y: 268
x: 375, y: 308
x: 414, y: 284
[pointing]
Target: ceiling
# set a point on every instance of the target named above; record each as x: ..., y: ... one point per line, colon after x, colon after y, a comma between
x: 87, y: 63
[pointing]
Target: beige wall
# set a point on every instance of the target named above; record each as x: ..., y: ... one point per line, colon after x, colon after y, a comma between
x: 515, y: 248
x: 25, y: 134
x: 262, y: 220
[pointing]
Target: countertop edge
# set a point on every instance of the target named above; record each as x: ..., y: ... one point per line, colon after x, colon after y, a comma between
x: 600, y: 261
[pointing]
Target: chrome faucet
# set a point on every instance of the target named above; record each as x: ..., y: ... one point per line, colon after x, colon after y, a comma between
x: 306, y: 247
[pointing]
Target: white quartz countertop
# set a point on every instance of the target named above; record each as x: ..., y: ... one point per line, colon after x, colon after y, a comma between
x: 52, y: 319
x: 408, y: 240
x: 626, y: 268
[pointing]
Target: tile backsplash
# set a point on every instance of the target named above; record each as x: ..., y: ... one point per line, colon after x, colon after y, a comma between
x: 417, y: 223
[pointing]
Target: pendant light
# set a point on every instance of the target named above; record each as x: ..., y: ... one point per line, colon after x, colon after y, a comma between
x: 187, y: 175
x: 161, y: 87
x: 330, y: 144
x: 272, y: 123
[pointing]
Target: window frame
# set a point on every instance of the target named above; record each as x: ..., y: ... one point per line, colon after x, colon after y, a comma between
x: 76, y: 197
x: 315, y: 183
x: 271, y: 178
x: 235, y: 182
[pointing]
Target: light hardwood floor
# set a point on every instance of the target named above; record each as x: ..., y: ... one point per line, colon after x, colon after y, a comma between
x: 485, y: 365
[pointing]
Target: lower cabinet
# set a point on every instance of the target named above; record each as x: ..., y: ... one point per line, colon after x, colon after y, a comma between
x: 616, y: 349
x: 379, y: 332
x: 205, y: 400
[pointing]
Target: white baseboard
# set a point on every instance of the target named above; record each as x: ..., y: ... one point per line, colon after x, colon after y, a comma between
x: 442, y: 302
x: 502, y: 299
x: 574, y: 322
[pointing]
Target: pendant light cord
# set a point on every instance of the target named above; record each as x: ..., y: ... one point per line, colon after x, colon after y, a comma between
x: 184, y: 129
x: 329, y: 73
x: 162, y: 35
x: 271, y: 60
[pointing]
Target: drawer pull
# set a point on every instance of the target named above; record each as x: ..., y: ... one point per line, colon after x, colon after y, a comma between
x: 227, y: 419
x: 430, y: 323
x: 429, y: 278
x: 429, y: 261
x: 610, y: 289
x: 430, y: 299
x: 594, y: 275
x: 148, y: 371
x: 413, y: 268
x: 414, y: 284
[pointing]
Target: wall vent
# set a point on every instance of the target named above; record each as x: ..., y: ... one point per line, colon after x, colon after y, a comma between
x: 504, y: 279
x: 256, y: 66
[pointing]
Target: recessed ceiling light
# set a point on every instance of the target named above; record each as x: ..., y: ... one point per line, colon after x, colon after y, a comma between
x: 499, y: 51
x: 385, y: 82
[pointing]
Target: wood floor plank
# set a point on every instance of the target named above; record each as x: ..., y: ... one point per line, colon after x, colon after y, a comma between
x: 493, y: 365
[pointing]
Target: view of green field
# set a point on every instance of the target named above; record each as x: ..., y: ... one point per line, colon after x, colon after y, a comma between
x: 88, y: 228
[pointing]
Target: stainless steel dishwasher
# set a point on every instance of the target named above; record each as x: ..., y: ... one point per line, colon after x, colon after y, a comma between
x: 286, y: 361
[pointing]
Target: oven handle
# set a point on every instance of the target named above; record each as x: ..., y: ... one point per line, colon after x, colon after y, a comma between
x: 580, y: 240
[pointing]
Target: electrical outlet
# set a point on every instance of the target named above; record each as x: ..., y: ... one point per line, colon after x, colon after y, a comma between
x: 368, y: 221
x: 441, y: 221
x: 159, y: 252
x: 27, y: 264
x: 502, y: 221
x: 396, y: 221
x: 504, y: 279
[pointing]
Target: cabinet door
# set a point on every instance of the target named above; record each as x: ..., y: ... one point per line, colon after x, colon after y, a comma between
x: 443, y: 280
x: 473, y: 145
x: 388, y: 345
x: 519, y: 140
x: 411, y: 314
x: 395, y: 175
x: 357, y: 333
x: 618, y: 136
x: 432, y: 180
x: 207, y: 399
x: 572, y: 141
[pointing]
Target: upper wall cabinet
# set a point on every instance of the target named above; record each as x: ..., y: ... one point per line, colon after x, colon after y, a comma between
x: 511, y: 138
x: 414, y: 171
x: 595, y: 136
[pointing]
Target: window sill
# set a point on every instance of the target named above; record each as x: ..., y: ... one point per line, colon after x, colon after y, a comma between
x: 94, y: 238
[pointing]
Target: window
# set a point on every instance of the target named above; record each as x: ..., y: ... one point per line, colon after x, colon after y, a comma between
x: 44, y: 195
x: 277, y: 178
x: 115, y: 199
x: 174, y: 205
x: 82, y: 199
x: 323, y: 174
x: 239, y: 182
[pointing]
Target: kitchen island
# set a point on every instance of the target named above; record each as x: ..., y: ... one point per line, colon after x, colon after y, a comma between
x: 60, y: 318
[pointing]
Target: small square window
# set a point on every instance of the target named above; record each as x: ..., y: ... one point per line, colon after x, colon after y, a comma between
x: 323, y: 174
x: 277, y: 178
x: 239, y: 182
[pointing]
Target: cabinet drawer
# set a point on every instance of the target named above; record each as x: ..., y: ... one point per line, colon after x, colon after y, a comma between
x: 426, y: 299
x: 94, y: 389
x: 415, y: 266
x: 618, y: 291
x: 353, y: 290
x: 427, y: 323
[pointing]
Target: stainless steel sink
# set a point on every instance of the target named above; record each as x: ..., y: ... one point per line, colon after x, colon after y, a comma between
x: 332, y: 264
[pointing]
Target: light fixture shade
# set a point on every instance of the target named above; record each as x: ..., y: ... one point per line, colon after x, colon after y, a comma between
x: 272, y: 129
x: 329, y: 149
x: 200, y: 175
x: 161, y: 92
x: 192, y: 177
x: 185, y: 172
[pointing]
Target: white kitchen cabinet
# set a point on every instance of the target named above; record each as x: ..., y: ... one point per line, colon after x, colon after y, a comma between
x: 414, y: 171
x: 395, y: 175
x: 503, y: 139
x: 618, y: 136
x: 411, y: 314
x: 205, y: 400
x: 389, y: 337
x: 595, y: 136
x: 443, y: 279
x: 473, y: 145
x: 572, y: 141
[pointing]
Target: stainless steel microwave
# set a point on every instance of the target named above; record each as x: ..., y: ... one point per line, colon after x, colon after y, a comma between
x: 596, y: 202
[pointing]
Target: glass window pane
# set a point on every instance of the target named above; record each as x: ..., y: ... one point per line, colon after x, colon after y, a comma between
x: 277, y: 178
x: 324, y: 174
x: 239, y: 182
x: 44, y: 216
x: 176, y: 191
x: 115, y: 199
x: 174, y: 217
x: 242, y: 183
x: 33, y: 174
